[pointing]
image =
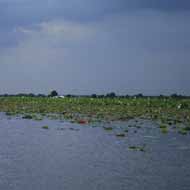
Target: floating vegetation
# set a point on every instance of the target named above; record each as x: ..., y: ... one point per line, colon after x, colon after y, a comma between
x: 126, y: 130
x: 37, y: 117
x: 74, y: 129
x: 137, y: 148
x: 163, y: 126
x: 187, y: 128
x: 167, y: 110
x: 45, y: 127
x: 108, y: 128
x: 120, y: 135
x: 27, y: 117
x: 10, y: 113
x: 164, y: 130
x: 184, y: 130
x: 82, y: 121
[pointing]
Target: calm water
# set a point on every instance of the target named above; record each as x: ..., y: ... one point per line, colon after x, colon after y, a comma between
x: 90, y: 158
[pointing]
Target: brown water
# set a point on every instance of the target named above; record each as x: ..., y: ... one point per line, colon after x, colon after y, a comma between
x: 69, y: 156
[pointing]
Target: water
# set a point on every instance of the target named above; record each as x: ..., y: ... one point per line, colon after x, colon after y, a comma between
x: 69, y: 156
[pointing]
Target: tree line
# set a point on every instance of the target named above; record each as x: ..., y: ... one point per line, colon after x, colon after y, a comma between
x: 54, y: 93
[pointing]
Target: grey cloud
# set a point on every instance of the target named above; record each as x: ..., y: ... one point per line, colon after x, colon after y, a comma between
x: 14, y: 13
x: 126, y: 53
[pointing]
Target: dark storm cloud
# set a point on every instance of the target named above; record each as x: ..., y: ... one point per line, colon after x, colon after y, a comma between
x: 23, y: 11
x: 14, y: 13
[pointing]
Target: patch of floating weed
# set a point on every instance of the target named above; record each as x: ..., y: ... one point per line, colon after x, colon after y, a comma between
x: 82, y: 121
x: 126, y: 130
x: 37, y: 117
x: 187, y: 128
x: 10, y: 113
x: 164, y: 130
x: 184, y: 130
x: 137, y: 148
x: 108, y: 128
x: 27, y: 116
x: 163, y: 126
x: 45, y: 127
x: 120, y: 135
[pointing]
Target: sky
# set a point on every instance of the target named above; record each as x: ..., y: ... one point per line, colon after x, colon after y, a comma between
x: 95, y: 46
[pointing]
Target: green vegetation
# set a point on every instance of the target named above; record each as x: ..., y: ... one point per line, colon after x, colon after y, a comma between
x: 184, y: 130
x: 126, y: 130
x: 137, y: 148
x: 45, y: 127
x: 167, y: 110
x: 120, y: 135
x: 108, y: 128
x: 164, y: 129
x: 163, y: 126
x: 27, y: 117
x: 53, y: 93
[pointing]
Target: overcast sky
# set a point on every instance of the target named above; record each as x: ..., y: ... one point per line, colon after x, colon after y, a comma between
x: 95, y: 46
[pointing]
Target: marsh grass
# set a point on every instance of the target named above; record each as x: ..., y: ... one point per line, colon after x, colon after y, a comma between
x: 164, y: 109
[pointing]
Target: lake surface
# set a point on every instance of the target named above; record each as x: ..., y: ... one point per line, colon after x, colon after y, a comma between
x: 69, y: 156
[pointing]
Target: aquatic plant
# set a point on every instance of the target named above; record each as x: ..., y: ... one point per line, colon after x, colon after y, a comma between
x: 184, y: 130
x: 137, y: 148
x: 45, y: 127
x: 27, y: 117
x: 164, y: 130
x: 108, y: 128
x: 126, y: 130
x: 82, y: 121
x: 187, y: 128
x: 163, y: 126
x: 120, y: 135
x: 101, y: 108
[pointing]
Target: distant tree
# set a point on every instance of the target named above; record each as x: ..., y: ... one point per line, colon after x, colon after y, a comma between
x: 31, y: 95
x: 140, y: 95
x: 68, y: 95
x: 100, y: 96
x: 53, y: 93
x: 111, y: 95
x: 174, y: 95
x: 93, y: 96
x: 41, y: 95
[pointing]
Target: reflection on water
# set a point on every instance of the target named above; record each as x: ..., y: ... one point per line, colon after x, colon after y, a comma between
x: 69, y: 156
